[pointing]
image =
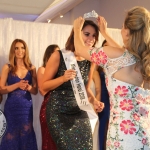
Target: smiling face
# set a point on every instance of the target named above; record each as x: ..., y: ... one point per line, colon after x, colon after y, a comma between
x: 19, y: 50
x: 88, y: 35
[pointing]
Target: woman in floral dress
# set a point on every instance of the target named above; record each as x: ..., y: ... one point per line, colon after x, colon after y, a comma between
x: 127, y: 78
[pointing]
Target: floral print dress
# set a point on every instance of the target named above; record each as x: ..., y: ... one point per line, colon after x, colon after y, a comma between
x: 129, y: 125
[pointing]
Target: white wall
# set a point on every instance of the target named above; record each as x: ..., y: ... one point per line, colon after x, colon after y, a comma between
x: 112, y: 10
x: 84, y: 7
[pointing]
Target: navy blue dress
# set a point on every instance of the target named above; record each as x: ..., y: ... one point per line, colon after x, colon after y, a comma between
x: 104, y: 115
x: 18, y: 111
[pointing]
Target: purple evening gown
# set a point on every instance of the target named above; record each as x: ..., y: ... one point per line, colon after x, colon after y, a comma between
x: 18, y: 111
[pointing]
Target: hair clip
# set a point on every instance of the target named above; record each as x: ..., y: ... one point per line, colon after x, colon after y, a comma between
x: 90, y: 14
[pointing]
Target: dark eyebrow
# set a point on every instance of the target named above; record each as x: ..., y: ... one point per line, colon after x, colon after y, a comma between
x: 89, y: 32
x: 21, y: 47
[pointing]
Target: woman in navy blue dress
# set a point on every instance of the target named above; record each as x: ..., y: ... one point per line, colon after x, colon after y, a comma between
x: 104, y: 115
x: 18, y: 80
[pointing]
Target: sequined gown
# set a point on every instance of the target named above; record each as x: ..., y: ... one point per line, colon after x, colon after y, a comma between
x: 69, y: 126
x: 19, y: 116
x: 129, y: 123
x: 47, y: 141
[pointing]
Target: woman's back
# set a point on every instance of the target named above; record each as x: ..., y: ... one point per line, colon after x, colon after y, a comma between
x: 130, y: 73
x: 129, y: 103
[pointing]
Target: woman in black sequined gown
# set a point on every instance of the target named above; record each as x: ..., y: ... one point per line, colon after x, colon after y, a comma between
x: 69, y: 126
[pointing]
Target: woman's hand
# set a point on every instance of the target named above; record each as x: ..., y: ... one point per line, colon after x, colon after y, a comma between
x: 23, y: 84
x: 69, y: 75
x: 102, y: 24
x: 98, y: 106
x: 78, y: 24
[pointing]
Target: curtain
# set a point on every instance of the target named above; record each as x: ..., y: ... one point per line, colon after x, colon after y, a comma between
x: 37, y: 36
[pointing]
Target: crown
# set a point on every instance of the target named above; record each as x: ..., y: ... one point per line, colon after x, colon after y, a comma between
x: 91, y: 14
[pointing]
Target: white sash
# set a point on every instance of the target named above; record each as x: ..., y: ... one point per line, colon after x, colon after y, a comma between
x: 79, y: 88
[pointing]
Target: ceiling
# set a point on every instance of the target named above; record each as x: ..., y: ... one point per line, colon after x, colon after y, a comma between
x: 35, y: 10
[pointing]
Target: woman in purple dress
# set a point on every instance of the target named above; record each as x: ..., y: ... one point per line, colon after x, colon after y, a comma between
x: 18, y: 80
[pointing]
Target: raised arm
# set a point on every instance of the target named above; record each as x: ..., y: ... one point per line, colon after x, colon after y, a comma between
x: 103, y: 30
x: 84, y: 51
x: 80, y: 47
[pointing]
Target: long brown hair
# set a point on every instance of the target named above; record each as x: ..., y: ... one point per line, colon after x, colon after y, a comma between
x: 70, y: 42
x: 12, y: 59
x: 138, y: 22
x: 49, y: 50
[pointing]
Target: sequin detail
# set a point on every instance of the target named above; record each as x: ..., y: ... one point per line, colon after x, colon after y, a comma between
x: 47, y: 141
x: 18, y: 110
x: 69, y: 126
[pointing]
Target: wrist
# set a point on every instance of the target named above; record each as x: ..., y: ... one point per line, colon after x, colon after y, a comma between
x: 63, y: 79
x: 77, y: 29
x: 93, y: 100
x: 18, y: 85
x: 104, y: 34
x: 77, y: 32
x: 29, y: 87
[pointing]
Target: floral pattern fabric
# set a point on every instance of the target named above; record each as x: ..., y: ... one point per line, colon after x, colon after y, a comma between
x: 129, y: 125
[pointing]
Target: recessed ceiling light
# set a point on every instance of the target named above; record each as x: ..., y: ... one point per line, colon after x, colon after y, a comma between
x: 61, y: 16
x: 48, y: 20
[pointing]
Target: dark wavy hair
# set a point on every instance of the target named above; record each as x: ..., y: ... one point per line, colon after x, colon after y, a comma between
x: 48, y: 52
x: 70, y: 42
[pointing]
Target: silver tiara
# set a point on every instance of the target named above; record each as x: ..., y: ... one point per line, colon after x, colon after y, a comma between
x: 91, y: 14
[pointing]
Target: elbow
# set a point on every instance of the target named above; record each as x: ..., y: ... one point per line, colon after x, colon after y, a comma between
x: 42, y: 92
x: 35, y: 91
x: 3, y: 90
x: 42, y: 89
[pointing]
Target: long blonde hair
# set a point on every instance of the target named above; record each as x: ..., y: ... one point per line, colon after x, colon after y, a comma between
x: 138, y: 22
x: 12, y: 61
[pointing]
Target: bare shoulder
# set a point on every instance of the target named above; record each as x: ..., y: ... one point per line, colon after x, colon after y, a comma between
x: 41, y: 70
x: 113, y: 52
x: 5, y: 67
x: 55, y: 57
x: 33, y: 67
